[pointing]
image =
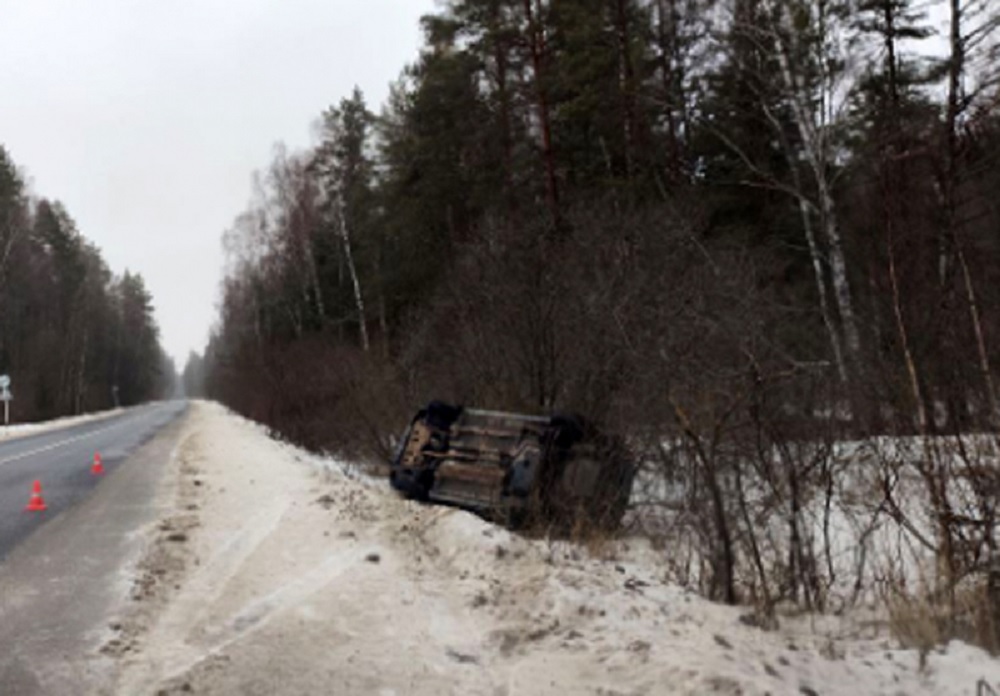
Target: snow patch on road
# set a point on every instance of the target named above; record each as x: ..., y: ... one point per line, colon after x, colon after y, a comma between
x: 278, y: 572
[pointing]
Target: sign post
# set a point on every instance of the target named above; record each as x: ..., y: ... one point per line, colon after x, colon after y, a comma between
x: 6, y: 397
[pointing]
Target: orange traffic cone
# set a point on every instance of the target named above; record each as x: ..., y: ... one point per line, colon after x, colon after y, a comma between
x: 36, y: 504
x: 97, y: 468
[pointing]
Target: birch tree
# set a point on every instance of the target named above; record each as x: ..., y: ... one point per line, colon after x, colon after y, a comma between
x: 810, y: 44
x: 784, y: 92
x: 345, y: 175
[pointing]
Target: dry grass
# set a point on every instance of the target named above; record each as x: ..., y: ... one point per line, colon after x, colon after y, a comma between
x: 924, y: 622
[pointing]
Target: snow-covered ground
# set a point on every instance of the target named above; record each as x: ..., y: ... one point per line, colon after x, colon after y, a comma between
x: 16, y: 430
x: 276, y: 572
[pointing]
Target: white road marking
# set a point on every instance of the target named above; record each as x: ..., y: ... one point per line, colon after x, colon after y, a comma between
x: 69, y: 440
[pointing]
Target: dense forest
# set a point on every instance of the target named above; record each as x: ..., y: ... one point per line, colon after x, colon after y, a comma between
x: 73, y: 336
x: 596, y: 204
x: 722, y: 227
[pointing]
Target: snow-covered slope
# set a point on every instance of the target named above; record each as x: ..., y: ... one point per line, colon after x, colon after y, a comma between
x: 276, y: 572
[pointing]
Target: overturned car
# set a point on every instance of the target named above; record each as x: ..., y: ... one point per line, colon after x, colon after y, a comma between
x: 557, y: 471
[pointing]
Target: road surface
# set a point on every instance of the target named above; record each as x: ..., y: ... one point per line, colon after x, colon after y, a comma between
x: 61, y: 460
x: 61, y: 570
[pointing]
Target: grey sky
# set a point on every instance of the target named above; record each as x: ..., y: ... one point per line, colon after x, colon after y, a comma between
x: 148, y: 117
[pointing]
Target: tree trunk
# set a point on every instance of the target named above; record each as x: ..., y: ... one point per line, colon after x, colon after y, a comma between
x: 383, y: 320
x: 11, y: 233
x: 537, y: 46
x: 503, y: 96
x: 81, y: 375
x: 359, y: 300
x: 889, y: 18
x: 667, y: 50
x: 977, y: 326
x: 626, y: 86
x: 314, y: 280
x: 904, y: 340
x: 838, y: 268
x: 956, y: 67
x: 824, y: 303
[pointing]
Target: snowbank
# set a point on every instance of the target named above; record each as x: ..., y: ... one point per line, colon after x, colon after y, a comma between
x: 277, y: 572
x: 17, y: 430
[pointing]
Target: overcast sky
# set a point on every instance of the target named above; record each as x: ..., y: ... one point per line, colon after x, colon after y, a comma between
x: 147, y: 118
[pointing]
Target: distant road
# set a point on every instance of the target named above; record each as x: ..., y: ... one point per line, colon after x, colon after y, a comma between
x: 61, y: 460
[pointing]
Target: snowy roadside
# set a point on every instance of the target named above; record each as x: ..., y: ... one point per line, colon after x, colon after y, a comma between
x: 277, y: 572
x: 11, y: 432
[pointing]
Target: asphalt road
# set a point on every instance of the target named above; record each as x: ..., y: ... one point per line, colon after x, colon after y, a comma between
x: 61, y: 461
x: 65, y: 571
